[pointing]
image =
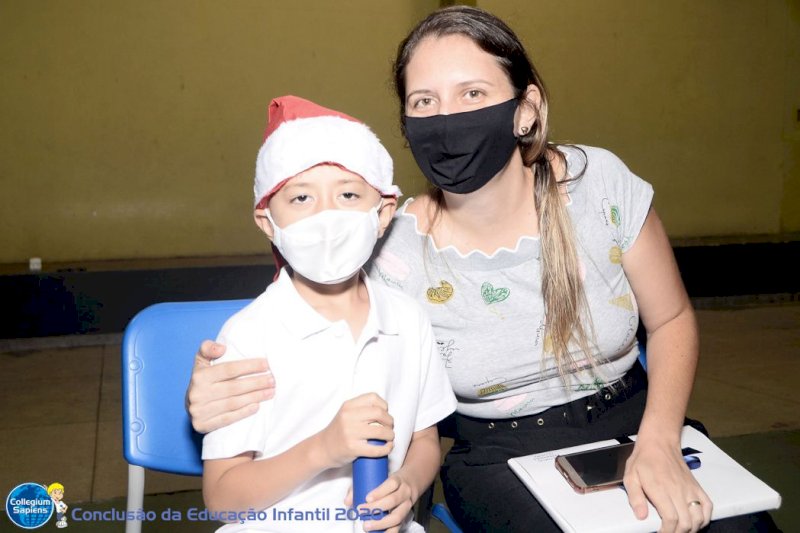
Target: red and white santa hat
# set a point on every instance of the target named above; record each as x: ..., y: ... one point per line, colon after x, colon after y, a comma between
x: 301, y: 135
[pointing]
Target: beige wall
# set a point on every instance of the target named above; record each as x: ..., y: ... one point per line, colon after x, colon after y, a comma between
x: 129, y: 129
x: 699, y: 98
x: 790, y: 207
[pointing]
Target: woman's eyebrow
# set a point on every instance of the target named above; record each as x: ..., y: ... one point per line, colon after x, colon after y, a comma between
x: 417, y: 92
x: 478, y: 81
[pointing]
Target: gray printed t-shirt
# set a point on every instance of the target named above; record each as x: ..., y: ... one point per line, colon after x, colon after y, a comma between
x: 488, y: 313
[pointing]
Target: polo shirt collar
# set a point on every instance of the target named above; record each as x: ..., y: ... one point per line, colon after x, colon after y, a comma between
x: 303, y: 320
x: 380, y: 313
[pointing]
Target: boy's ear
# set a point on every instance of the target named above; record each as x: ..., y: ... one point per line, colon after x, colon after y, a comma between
x: 386, y: 213
x: 263, y: 223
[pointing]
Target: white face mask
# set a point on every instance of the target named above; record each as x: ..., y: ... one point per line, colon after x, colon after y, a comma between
x: 330, y: 246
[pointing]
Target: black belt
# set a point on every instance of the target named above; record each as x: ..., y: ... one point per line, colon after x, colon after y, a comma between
x: 575, y: 413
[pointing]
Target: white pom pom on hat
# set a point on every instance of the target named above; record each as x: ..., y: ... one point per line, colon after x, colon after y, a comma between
x: 301, y: 135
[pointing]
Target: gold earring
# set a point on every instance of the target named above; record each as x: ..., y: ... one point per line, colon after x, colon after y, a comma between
x: 524, y: 130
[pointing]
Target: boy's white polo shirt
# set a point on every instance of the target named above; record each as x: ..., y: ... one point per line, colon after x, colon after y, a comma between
x: 318, y: 366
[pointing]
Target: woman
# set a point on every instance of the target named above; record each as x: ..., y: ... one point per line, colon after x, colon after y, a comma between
x: 532, y: 260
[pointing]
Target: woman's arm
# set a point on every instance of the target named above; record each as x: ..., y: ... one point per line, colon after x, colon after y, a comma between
x: 219, y: 395
x: 672, y: 339
x: 240, y: 483
x: 656, y: 469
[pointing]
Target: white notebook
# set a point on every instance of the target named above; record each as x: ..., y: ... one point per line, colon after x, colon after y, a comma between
x: 732, y: 488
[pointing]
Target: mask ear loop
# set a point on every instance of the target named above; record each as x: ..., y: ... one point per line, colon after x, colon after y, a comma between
x: 268, y: 216
x: 280, y: 262
x: 276, y: 230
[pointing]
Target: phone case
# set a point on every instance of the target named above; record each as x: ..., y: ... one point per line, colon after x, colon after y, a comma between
x: 574, y: 478
x: 577, y: 483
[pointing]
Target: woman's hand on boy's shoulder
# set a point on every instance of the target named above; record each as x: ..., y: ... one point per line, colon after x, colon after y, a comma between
x: 219, y: 395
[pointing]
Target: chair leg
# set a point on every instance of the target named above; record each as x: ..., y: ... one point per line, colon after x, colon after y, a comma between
x: 442, y: 513
x: 135, y: 497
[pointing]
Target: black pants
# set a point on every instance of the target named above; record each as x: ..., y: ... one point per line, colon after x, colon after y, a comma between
x: 482, y: 492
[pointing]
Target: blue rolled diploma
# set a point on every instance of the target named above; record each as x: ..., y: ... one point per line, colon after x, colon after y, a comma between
x: 368, y: 474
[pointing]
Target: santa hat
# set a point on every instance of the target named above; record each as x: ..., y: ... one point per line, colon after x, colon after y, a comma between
x: 301, y: 135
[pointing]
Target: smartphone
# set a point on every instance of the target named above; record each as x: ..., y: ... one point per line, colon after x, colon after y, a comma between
x: 593, y: 470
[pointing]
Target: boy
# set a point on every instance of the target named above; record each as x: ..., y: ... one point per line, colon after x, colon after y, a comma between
x: 355, y: 361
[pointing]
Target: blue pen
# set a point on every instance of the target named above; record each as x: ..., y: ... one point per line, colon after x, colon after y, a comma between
x: 692, y: 461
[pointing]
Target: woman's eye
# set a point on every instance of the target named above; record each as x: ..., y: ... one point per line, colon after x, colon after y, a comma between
x: 473, y: 93
x: 422, y: 102
x: 350, y: 196
x: 300, y: 199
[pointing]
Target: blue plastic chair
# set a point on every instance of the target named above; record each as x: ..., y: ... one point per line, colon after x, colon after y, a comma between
x: 157, y: 357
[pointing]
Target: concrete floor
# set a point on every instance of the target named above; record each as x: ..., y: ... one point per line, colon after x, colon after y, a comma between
x: 61, y: 418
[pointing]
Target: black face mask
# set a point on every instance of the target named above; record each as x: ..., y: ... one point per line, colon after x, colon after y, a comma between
x: 461, y: 152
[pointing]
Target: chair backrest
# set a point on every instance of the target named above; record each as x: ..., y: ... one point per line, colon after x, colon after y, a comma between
x: 157, y: 357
